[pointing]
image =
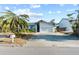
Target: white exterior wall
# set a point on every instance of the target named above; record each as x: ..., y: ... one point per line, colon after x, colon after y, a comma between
x: 44, y: 27
x: 35, y: 28
x: 66, y: 23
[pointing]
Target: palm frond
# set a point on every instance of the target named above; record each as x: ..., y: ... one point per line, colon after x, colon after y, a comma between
x: 24, y: 16
x: 13, y: 21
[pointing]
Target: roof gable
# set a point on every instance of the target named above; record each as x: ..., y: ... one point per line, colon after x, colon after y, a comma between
x: 44, y: 22
x: 63, y: 19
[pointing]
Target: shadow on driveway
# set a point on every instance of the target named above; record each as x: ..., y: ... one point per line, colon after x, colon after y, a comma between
x: 54, y: 37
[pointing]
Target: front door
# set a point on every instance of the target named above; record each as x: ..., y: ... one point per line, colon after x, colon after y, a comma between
x: 38, y: 27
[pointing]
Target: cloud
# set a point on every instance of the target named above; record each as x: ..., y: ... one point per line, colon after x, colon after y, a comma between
x: 49, y: 12
x: 35, y: 6
x: 28, y: 12
x: 75, y: 4
x: 54, y: 12
x: 1, y: 7
x: 21, y: 11
x: 7, y: 8
x: 33, y: 19
x: 70, y: 10
x: 58, y: 12
x: 35, y: 14
x: 14, y: 7
x: 61, y: 5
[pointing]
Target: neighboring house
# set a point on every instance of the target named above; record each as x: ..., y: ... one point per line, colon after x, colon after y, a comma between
x: 43, y: 26
x: 65, y: 26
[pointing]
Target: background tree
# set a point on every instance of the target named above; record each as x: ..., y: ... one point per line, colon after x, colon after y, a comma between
x: 70, y: 16
x: 76, y: 24
x: 1, y: 22
x: 77, y: 17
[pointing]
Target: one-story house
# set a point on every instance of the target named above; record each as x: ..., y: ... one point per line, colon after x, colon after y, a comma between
x: 43, y: 26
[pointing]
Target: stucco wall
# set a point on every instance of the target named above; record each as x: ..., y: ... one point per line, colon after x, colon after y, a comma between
x: 65, y: 23
x: 45, y: 27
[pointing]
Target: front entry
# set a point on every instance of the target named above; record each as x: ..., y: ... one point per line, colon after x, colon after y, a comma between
x: 38, y: 27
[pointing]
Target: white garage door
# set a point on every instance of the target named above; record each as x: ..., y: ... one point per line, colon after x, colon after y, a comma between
x: 45, y: 29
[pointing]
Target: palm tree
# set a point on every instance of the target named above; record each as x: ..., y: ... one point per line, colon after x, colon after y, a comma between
x: 13, y: 22
x: 1, y: 21
x: 76, y: 25
x: 70, y: 16
x: 77, y: 15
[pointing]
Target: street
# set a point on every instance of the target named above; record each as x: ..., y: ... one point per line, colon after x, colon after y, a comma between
x: 39, y: 51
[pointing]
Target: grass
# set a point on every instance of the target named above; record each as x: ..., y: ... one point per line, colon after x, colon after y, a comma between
x: 20, y: 39
x: 17, y: 42
x: 20, y: 42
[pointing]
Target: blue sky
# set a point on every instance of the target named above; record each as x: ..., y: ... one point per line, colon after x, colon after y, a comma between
x: 45, y: 12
